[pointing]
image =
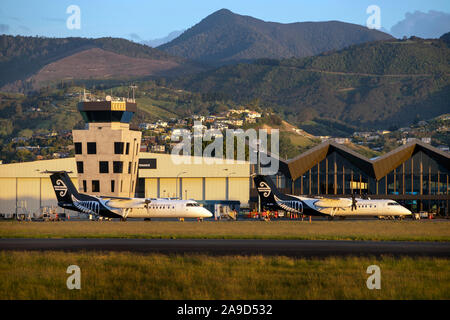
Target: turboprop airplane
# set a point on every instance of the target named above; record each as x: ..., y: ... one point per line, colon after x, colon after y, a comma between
x: 123, y: 208
x: 329, y: 207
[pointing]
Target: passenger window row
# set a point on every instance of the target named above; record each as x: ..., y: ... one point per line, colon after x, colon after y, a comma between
x: 160, y: 207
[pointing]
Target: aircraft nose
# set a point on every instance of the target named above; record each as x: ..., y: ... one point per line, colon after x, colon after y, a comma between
x: 207, y: 213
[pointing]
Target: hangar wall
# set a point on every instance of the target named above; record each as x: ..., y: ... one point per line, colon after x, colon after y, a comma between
x: 23, y: 188
x: 196, y: 178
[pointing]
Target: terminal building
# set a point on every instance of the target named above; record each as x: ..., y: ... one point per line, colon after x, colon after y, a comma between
x: 416, y: 175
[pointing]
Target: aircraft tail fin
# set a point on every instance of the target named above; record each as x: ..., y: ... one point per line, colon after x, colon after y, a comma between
x: 266, y: 188
x: 63, y: 186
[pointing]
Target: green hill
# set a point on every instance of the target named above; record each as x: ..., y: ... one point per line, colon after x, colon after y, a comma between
x: 373, y: 85
x: 225, y: 37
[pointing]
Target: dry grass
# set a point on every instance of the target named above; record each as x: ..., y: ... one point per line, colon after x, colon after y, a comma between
x: 33, y: 275
x: 317, y: 230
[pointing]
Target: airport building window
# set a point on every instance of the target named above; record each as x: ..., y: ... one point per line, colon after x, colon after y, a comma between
x: 129, y: 167
x: 118, y: 147
x: 84, y: 186
x: 78, y: 148
x: 117, y: 166
x: 92, y: 148
x: 112, y: 185
x: 80, y: 167
x: 121, y: 185
x: 104, y: 168
x: 95, y: 186
x: 128, y: 148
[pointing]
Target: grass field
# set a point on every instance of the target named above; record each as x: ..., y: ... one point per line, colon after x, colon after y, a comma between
x: 317, y: 230
x: 33, y: 275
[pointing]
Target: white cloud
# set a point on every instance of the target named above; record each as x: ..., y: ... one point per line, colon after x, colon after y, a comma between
x: 424, y: 25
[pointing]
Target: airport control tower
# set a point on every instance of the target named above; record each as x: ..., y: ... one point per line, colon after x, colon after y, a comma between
x: 107, y: 151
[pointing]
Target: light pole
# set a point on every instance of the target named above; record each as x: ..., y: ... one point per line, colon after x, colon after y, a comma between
x: 258, y: 169
x: 177, y: 183
x: 227, y: 179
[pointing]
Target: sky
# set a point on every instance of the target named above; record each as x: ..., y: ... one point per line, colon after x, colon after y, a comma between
x: 150, y: 19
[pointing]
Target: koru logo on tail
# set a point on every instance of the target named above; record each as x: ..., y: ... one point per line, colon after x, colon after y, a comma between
x: 264, y: 188
x: 61, y: 187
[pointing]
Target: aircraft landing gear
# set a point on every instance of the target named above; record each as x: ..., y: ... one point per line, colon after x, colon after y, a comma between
x: 147, y: 219
x: 123, y: 219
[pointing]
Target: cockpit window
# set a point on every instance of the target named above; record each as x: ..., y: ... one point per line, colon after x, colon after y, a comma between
x: 393, y: 204
x: 192, y: 204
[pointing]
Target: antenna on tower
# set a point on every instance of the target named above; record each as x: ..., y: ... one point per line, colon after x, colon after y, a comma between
x: 133, y: 87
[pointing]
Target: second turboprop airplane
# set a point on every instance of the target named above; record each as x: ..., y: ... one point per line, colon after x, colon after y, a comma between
x: 329, y: 207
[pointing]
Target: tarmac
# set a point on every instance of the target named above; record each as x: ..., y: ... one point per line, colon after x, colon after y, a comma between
x: 291, y: 248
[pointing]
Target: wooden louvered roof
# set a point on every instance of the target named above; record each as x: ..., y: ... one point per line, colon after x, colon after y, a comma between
x: 377, y: 168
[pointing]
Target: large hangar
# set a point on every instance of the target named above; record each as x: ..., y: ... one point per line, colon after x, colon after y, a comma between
x: 415, y: 174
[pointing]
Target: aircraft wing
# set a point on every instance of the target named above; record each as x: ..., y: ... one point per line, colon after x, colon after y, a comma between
x: 333, y: 203
x: 118, y: 198
x: 125, y: 203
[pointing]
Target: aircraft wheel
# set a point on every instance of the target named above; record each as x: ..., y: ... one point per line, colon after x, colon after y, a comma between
x: 123, y: 219
x: 147, y: 219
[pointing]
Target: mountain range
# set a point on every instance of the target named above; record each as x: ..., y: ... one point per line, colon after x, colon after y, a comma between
x: 320, y: 76
x: 28, y: 63
x: 225, y: 37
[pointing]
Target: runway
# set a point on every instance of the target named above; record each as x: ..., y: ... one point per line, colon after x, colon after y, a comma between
x: 291, y: 248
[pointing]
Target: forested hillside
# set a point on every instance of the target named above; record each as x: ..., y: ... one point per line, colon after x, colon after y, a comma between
x: 379, y: 84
